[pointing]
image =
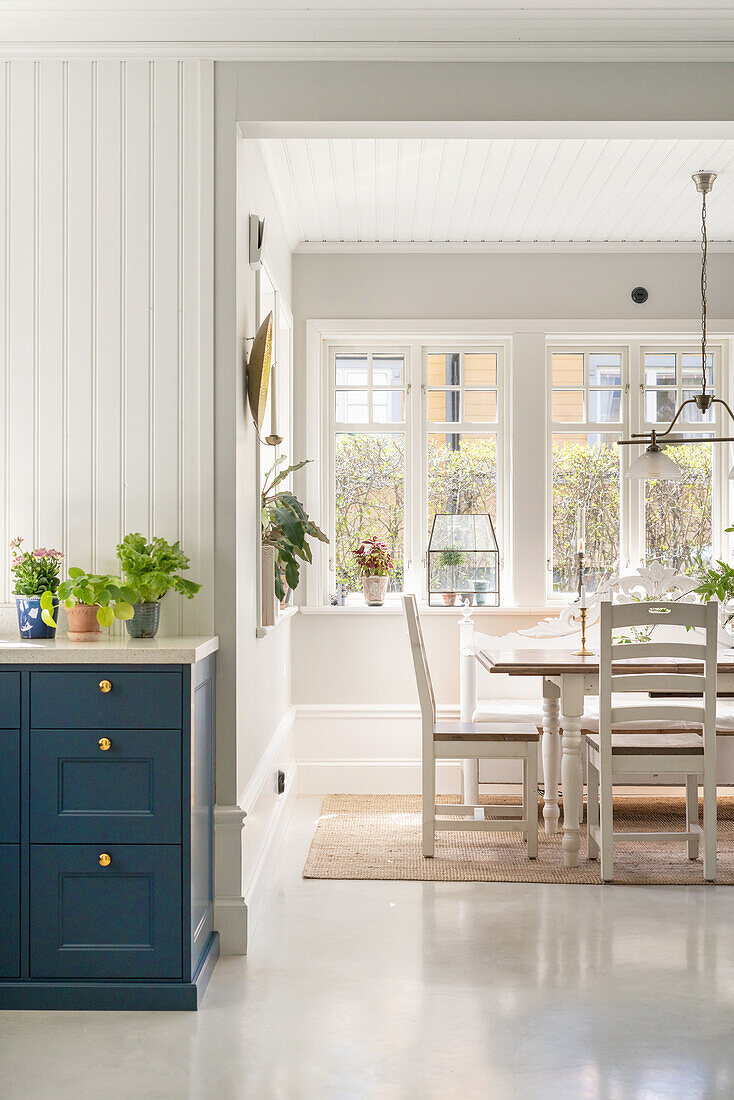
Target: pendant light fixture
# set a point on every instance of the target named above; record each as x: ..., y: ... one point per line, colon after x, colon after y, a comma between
x: 653, y: 463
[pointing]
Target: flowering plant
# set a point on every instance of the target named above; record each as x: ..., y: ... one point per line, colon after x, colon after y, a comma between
x: 373, y: 558
x: 34, y: 571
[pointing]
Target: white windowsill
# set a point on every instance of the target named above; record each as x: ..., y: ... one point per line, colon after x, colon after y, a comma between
x: 397, y: 609
x: 263, y: 631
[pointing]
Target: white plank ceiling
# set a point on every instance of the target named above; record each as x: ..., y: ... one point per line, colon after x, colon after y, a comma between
x: 471, y: 190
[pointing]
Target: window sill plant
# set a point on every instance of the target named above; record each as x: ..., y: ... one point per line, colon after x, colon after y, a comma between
x: 35, y: 573
x: 286, y: 526
x: 716, y: 582
x: 150, y: 570
x: 92, y: 601
x: 451, y: 560
x: 375, y: 564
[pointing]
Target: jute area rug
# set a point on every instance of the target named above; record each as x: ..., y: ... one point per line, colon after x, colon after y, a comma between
x: 379, y: 837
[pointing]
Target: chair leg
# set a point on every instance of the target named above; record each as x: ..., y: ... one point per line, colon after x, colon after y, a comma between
x: 530, y: 771
x: 692, y: 813
x: 607, y: 828
x: 592, y: 807
x: 429, y: 804
x: 709, y: 819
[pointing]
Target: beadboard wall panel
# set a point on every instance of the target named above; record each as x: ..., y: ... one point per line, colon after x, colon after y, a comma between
x: 106, y: 296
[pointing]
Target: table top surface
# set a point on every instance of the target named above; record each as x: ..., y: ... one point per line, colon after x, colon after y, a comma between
x: 556, y: 662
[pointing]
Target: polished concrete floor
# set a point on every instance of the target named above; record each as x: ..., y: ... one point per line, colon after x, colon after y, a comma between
x: 422, y: 990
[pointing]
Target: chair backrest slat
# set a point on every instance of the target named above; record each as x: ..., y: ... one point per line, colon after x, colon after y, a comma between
x: 658, y: 681
x: 616, y: 616
x: 420, y: 662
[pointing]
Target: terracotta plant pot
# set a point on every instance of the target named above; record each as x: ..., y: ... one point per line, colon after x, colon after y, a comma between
x: 82, y: 624
x: 375, y: 589
x: 449, y: 598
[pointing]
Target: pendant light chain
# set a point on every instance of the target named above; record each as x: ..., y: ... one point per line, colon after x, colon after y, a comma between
x: 704, y: 259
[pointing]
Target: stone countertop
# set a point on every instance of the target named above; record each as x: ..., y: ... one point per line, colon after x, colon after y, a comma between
x: 183, y: 650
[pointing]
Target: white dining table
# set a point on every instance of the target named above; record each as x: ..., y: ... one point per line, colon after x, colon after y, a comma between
x: 566, y: 681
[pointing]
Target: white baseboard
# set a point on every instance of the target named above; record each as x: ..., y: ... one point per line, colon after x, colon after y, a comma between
x: 374, y: 777
x: 268, y: 814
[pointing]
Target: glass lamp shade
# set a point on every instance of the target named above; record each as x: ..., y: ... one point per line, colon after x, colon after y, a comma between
x: 654, y: 465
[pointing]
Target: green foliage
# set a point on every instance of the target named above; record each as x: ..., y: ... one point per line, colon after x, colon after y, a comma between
x: 369, y: 498
x: 715, y: 582
x: 150, y: 569
x: 286, y: 526
x: 677, y: 513
x: 110, y: 593
x: 449, y: 559
x: 34, y: 571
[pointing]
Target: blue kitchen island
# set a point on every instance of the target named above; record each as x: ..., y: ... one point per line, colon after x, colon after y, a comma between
x: 107, y: 823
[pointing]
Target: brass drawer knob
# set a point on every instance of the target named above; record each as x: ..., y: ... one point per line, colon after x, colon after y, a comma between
x: 105, y: 686
x: 105, y: 860
x: 104, y: 743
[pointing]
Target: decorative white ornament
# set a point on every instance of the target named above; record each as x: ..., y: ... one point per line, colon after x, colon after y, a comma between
x: 654, y: 581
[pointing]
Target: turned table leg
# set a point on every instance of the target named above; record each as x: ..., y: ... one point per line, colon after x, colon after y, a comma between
x: 551, y: 756
x: 572, y: 776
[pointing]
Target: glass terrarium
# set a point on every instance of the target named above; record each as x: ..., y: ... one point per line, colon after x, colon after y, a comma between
x: 463, y: 561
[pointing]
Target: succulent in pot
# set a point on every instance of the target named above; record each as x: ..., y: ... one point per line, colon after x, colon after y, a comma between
x: 34, y: 573
x: 451, y: 560
x: 375, y: 564
x: 92, y: 600
x: 150, y: 570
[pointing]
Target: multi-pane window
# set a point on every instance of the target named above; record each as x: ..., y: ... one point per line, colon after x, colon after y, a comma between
x: 461, y: 433
x: 414, y: 431
x: 587, y: 389
x: 678, y: 514
x: 369, y: 455
x: 638, y: 522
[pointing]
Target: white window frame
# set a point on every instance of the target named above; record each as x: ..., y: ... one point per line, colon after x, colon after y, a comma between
x: 416, y: 429
x: 465, y: 427
x: 336, y: 427
x: 632, y: 519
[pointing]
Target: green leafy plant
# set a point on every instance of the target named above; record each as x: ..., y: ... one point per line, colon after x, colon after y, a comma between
x: 34, y: 571
x: 110, y: 593
x: 715, y: 582
x: 451, y: 559
x: 150, y: 569
x: 286, y: 526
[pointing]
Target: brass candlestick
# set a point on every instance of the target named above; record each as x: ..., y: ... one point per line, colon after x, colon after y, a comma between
x: 583, y: 652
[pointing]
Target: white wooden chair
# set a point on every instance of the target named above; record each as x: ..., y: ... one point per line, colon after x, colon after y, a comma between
x: 449, y: 740
x: 671, y: 739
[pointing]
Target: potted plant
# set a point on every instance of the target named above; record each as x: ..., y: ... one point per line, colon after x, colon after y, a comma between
x: 92, y: 600
x: 716, y: 582
x: 451, y: 559
x: 375, y: 564
x: 149, y: 570
x: 286, y: 527
x: 34, y: 573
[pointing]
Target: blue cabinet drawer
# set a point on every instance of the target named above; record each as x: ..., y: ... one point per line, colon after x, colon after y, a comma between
x: 9, y: 786
x: 9, y: 911
x: 83, y: 791
x: 118, y: 921
x: 9, y: 700
x: 134, y: 700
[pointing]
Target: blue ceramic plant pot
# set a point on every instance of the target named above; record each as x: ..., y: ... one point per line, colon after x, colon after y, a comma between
x: 145, y: 620
x: 30, y: 623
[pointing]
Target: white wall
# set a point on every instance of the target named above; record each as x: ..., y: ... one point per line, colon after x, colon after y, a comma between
x: 254, y: 713
x: 105, y: 274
